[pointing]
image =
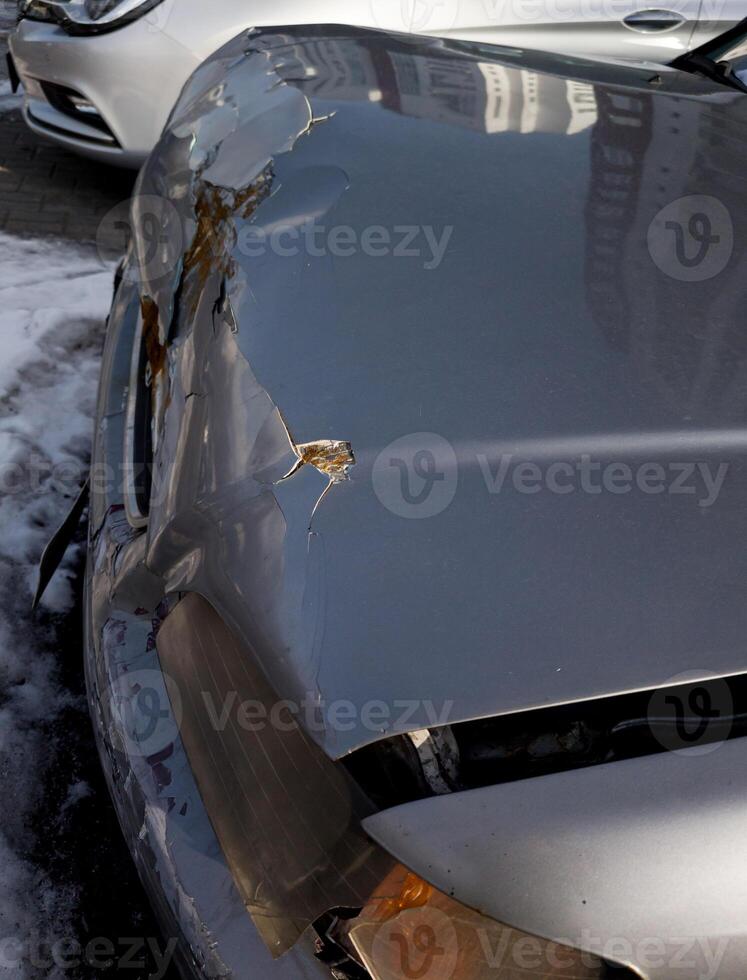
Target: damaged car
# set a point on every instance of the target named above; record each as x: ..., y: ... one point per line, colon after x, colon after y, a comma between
x: 101, y: 76
x: 414, y: 598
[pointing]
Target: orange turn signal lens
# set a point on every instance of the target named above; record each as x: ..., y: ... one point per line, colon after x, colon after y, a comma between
x: 411, y: 931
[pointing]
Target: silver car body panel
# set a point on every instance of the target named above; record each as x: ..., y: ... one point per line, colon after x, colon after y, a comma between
x: 641, y: 862
x: 133, y: 75
x: 295, y: 377
x: 269, y: 364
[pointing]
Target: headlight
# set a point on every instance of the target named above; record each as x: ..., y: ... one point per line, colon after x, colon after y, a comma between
x: 86, y: 16
x: 409, y: 929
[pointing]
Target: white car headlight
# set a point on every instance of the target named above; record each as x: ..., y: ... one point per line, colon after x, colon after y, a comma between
x: 87, y: 16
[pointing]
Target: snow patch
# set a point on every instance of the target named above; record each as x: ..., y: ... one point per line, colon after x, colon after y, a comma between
x: 53, y: 301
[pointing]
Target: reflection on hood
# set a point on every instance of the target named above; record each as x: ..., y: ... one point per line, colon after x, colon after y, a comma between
x: 477, y: 94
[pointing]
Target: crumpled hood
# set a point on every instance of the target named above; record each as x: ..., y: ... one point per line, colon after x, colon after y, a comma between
x: 457, y: 262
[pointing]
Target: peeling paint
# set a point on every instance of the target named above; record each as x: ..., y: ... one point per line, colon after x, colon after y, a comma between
x: 216, y: 209
x: 331, y: 457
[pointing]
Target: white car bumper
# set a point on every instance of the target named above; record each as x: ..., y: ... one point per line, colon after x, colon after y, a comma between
x: 107, y: 96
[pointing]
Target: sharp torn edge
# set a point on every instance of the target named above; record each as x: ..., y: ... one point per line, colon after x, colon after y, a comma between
x: 332, y: 457
x: 315, y: 120
x: 58, y: 544
x: 216, y: 208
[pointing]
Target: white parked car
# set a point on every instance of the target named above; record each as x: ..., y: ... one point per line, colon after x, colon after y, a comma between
x: 101, y: 76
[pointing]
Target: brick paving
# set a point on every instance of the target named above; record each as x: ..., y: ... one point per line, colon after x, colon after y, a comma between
x: 44, y: 189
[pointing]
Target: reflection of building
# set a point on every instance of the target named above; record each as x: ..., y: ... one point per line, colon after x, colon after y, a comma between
x: 453, y: 92
x: 582, y: 101
x: 485, y: 96
x: 527, y: 102
x: 647, y: 151
x: 618, y: 148
x: 332, y: 69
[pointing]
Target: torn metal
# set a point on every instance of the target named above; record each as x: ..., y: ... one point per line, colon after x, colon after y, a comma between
x: 59, y: 543
x: 330, y: 456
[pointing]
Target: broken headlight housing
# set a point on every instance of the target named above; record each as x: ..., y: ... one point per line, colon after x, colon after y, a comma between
x: 86, y: 16
x: 410, y: 929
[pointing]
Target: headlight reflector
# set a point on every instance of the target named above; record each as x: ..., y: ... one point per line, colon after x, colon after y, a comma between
x: 87, y: 16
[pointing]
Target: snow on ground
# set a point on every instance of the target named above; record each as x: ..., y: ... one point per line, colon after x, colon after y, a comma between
x: 53, y: 301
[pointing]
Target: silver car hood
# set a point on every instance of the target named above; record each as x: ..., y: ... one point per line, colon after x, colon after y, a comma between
x: 525, y: 311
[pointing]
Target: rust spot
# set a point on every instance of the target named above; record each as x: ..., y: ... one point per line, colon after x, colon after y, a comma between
x: 155, y: 351
x: 215, y: 210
